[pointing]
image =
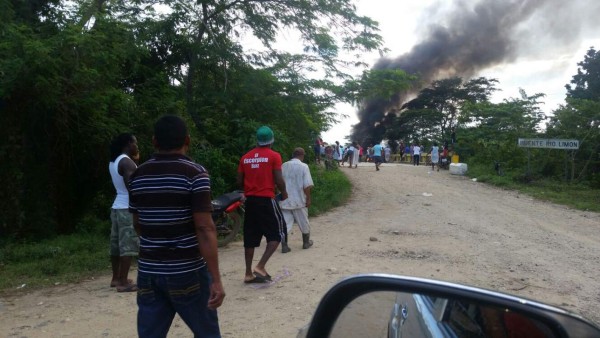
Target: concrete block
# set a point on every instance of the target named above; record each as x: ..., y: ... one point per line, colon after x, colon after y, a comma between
x: 458, y: 168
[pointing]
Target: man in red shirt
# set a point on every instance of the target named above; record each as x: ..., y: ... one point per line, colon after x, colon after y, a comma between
x: 259, y: 172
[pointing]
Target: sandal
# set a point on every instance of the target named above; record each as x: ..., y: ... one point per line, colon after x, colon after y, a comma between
x: 128, y: 288
x: 266, y: 277
x: 113, y: 285
x: 256, y: 279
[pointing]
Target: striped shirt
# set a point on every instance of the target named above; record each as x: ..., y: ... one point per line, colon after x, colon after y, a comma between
x: 164, y: 192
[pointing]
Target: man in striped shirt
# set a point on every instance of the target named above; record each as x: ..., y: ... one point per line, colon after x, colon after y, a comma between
x: 178, y: 270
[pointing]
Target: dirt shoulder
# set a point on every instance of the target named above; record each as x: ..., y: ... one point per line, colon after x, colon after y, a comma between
x: 401, y: 220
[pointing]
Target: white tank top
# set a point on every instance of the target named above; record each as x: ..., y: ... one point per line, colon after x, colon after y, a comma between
x: 122, y: 199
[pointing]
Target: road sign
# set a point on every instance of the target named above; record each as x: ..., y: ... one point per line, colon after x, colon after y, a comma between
x: 548, y: 143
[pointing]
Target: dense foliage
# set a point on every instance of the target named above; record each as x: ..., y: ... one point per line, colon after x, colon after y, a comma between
x: 76, y: 73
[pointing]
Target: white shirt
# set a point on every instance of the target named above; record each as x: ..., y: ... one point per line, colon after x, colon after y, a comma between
x: 122, y: 199
x: 337, y: 154
x: 416, y: 150
x: 297, y: 177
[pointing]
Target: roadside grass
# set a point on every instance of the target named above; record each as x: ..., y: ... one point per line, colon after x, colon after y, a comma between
x: 331, y: 189
x: 63, y: 259
x: 75, y: 257
x: 577, y: 196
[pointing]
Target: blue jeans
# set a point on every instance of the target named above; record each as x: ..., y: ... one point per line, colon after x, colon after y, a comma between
x: 161, y: 296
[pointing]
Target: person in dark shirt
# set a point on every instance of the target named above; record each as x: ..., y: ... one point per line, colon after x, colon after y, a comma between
x: 178, y: 270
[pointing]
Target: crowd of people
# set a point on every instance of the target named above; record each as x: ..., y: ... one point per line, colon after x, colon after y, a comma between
x: 162, y: 215
x: 335, y: 154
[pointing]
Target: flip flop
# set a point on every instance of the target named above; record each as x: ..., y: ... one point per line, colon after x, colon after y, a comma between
x: 129, y: 281
x: 266, y: 277
x: 128, y: 288
x: 255, y: 280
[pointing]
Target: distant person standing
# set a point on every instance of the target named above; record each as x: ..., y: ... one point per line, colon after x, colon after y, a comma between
x: 369, y: 154
x: 337, y: 152
x: 351, y: 150
x: 329, y: 149
x: 401, y: 150
x: 444, y: 158
x: 416, y: 154
x: 435, y: 156
x: 357, y: 153
x: 259, y: 172
x: 170, y: 198
x: 298, y: 183
x: 124, y: 242
x: 329, y: 163
x: 377, y: 155
x: 387, y: 151
x: 317, y: 149
x: 407, y: 151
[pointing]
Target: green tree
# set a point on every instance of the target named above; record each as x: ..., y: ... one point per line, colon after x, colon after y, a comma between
x: 380, y: 84
x: 579, y: 119
x: 586, y: 83
x: 413, y: 125
x: 207, y: 31
x: 489, y: 131
x: 65, y: 92
x: 435, y: 110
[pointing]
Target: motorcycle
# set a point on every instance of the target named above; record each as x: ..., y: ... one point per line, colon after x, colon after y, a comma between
x: 228, y: 211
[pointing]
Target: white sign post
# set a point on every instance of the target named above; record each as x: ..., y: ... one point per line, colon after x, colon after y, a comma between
x: 548, y: 144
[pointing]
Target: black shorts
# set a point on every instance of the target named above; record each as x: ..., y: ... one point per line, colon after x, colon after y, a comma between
x: 263, y: 218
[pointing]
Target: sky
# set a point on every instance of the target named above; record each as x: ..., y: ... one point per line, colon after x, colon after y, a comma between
x: 541, y: 64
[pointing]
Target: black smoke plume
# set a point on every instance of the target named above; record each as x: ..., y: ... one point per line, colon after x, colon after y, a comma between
x: 471, y: 36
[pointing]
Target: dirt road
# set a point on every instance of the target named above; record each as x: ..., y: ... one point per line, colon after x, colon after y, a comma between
x: 401, y: 220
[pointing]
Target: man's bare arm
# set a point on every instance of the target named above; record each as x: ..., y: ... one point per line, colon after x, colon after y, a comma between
x: 307, y: 194
x: 206, y: 235
x: 126, y: 169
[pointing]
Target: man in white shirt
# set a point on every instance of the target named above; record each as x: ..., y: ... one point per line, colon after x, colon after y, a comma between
x: 298, y: 182
x: 416, y: 154
x: 124, y: 242
x: 387, y: 151
x: 337, y: 152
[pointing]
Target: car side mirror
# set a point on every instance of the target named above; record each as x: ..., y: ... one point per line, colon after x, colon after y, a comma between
x: 396, y: 306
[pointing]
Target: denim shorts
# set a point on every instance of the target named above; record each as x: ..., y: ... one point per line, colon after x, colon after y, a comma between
x: 124, y: 240
x: 161, y: 296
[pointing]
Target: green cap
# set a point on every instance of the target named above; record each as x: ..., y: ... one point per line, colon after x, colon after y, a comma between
x: 264, y: 136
